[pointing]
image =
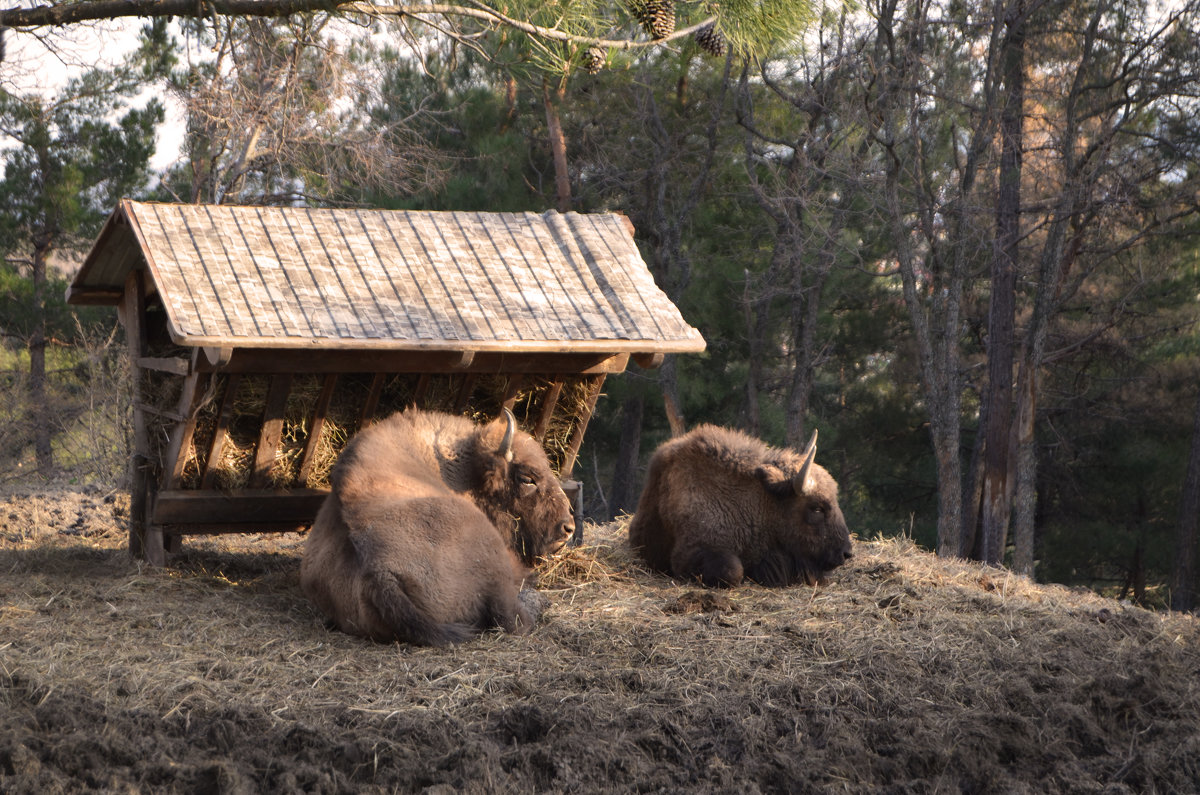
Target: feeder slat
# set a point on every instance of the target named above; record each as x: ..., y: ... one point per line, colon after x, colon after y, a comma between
x: 190, y: 400
x: 222, y: 427
x: 315, y: 426
x: 515, y: 382
x: 272, y: 430
x: 464, y: 392
x: 371, y: 405
x: 581, y: 422
x: 546, y: 412
x: 421, y: 390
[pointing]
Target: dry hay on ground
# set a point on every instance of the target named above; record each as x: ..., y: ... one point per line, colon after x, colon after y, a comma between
x: 905, y: 674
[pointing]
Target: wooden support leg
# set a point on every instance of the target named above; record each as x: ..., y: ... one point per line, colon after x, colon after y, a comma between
x: 155, y: 547
x: 138, y: 513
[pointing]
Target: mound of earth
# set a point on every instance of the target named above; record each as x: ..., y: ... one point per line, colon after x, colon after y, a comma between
x: 905, y: 674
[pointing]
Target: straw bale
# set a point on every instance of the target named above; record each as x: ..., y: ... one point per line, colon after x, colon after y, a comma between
x: 343, y: 418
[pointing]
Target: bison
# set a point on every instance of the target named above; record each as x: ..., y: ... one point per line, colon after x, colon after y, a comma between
x: 429, y: 529
x: 720, y: 506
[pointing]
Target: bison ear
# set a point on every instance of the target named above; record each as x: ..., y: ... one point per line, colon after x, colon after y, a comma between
x: 774, y: 480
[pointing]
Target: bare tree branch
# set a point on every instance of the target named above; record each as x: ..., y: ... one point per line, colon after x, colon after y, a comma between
x: 59, y: 14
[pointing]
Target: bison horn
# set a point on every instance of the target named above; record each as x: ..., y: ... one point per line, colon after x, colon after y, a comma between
x: 510, y: 431
x: 810, y: 453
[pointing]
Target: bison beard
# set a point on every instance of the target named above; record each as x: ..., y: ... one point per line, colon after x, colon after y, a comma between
x: 720, y: 507
x: 418, y: 540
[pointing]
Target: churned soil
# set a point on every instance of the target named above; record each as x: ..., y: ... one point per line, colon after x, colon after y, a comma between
x: 904, y: 674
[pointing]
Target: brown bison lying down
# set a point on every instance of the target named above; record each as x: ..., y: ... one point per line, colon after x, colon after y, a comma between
x: 422, y: 536
x: 720, y: 506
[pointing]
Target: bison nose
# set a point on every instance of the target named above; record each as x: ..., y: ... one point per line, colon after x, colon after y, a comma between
x: 849, y: 553
x: 566, y: 527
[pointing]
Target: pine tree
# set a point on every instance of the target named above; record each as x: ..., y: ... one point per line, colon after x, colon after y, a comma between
x: 73, y: 160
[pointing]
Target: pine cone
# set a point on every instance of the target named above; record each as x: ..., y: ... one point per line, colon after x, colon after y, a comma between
x: 656, y: 16
x: 711, y: 40
x: 593, y: 59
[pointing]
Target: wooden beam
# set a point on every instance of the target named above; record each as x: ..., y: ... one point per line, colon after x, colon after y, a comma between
x: 648, y: 361
x: 217, y: 446
x: 316, y: 424
x: 216, y: 357
x: 173, y: 364
x: 94, y: 296
x: 272, y: 429
x: 359, y: 360
x: 198, y: 511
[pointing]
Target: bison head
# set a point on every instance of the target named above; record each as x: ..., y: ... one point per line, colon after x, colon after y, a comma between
x: 520, y: 492
x: 816, y: 537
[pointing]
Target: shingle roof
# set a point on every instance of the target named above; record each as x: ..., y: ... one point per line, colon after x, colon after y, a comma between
x: 279, y: 277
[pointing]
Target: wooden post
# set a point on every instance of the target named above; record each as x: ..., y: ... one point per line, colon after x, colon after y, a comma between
x: 133, y: 316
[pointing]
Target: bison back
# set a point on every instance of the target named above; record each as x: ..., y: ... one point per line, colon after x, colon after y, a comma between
x: 425, y: 570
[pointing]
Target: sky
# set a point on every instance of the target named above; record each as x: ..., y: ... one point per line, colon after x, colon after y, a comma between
x: 29, y: 66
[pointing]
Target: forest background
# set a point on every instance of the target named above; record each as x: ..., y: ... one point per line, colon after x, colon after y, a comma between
x: 957, y: 237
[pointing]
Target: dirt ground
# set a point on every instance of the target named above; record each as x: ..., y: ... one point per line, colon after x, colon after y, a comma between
x: 905, y: 674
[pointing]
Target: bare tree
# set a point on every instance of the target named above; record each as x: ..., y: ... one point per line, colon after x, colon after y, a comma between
x: 1183, y: 577
x: 805, y: 177
x: 1095, y: 152
x: 282, y: 113
x: 930, y: 202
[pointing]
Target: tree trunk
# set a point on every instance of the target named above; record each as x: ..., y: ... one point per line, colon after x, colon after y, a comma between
x: 973, y: 490
x: 510, y: 103
x: 1183, y: 577
x: 38, y: 410
x: 754, y: 309
x: 558, y: 144
x: 997, y: 505
x: 1025, y: 504
x: 624, y: 492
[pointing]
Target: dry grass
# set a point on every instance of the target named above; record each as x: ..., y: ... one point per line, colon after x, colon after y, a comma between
x: 905, y: 674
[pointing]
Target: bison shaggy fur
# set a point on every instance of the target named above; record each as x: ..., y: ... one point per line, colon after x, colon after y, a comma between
x: 429, y: 529
x: 720, y: 506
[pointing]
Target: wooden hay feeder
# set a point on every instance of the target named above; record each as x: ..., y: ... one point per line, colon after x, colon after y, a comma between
x: 262, y: 338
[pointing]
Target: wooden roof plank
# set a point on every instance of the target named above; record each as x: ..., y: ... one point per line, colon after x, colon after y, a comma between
x: 288, y: 277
